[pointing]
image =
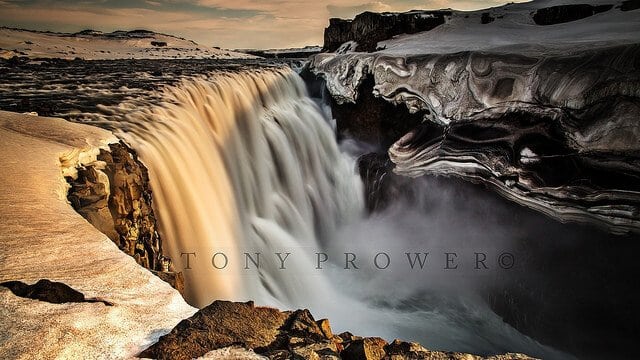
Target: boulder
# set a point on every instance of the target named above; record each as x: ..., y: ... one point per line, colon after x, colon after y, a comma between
x: 371, y: 348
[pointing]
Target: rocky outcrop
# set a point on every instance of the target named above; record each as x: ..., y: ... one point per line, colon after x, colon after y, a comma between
x: 566, y: 13
x: 557, y: 133
x: 114, y: 195
x: 368, y: 28
x: 43, y: 237
x: 282, y: 335
x: 49, y: 291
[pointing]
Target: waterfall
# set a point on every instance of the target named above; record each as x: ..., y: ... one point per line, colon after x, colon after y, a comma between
x: 243, y: 162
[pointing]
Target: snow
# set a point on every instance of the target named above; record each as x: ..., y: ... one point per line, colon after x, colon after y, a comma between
x: 514, y: 28
x: 527, y: 156
x: 43, y: 237
x: 15, y: 42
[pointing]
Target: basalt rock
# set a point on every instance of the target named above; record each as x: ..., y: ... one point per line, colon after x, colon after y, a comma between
x: 281, y: 335
x: 368, y: 28
x: 560, y: 141
x: 115, y: 197
x: 113, y: 194
x: 382, y: 186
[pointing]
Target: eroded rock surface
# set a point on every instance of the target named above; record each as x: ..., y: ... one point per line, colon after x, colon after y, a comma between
x: 115, y: 197
x: 223, y: 326
x: 551, y: 124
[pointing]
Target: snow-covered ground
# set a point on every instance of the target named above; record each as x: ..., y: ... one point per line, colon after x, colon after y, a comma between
x: 100, y: 46
x: 43, y: 237
x: 513, y: 29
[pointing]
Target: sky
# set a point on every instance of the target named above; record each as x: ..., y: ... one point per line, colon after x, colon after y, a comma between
x: 232, y: 24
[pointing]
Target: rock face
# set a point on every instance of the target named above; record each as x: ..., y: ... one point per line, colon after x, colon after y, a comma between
x: 117, y: 201
x: 552, y: 126
x: 223, y: 325
x: 539, y: 102
x: 566, y: 13
x: 368, y: 28
x: 114, y: 195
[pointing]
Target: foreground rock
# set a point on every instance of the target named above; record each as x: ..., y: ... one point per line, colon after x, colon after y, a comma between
x: 43, y: 237
x: 241, y: 330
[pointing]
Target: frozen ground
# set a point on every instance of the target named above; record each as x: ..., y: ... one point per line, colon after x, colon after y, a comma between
x: 100, y: 46
x: 43, y: 237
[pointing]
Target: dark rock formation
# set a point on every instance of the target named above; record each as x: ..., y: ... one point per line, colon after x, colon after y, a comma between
x: 551, y: 125
x: 117, y: 201
x: 282, y: 335
x: 532, y: 127
x: 382, y: 186
x: 372, y: 119
x: 486, y: 18
x: 368, y: 28
x: 115, y: 197
x: 629, y: 5
x: 566, y: 13
x: 159, y: 43
x: 49, y: 291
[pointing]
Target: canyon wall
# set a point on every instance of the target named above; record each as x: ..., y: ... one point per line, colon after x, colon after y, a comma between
x: 538, y: 103
x: 114, y: 195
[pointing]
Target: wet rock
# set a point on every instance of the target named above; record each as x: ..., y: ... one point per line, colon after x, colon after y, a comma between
x: 549, y: 149
x: 381, y: 185
x: 276, y: 335
x: 372, y: 119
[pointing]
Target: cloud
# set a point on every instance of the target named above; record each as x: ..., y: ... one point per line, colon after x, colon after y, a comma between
x: 350, y: 11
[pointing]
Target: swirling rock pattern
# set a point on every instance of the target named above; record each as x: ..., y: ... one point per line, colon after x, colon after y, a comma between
x: 554, y: 131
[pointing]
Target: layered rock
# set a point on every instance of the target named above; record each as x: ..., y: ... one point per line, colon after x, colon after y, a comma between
x: 114, y: 195
x: 545, y: 115
x: 223, y: 325
x: 550, y: 124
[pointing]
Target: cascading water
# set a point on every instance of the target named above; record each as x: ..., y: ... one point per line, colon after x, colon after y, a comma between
x: 245, y: 162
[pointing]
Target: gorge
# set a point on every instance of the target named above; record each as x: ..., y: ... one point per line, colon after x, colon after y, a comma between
x: 465, y: 180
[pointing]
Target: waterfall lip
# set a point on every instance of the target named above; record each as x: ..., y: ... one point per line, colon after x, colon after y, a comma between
x: 236, y: 158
